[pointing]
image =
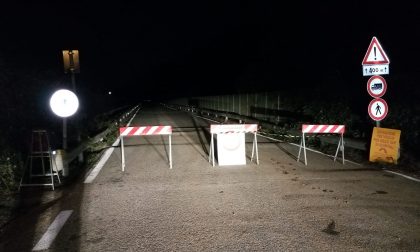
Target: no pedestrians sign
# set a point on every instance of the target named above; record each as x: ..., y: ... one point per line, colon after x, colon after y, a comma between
x: 378, y: 109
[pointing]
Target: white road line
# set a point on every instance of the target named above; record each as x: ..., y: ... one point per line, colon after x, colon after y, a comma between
x: 402, y: 175
x: 53, y: 230
x: 95, y: 171
x: 129, y: 122
x: 92, y: 175
x: 309, y: 149
x: 396, y: 173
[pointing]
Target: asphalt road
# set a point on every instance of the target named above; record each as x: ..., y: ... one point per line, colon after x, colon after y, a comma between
x: 278, y: 205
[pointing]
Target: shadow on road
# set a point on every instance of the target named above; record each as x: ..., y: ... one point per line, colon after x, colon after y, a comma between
x: 37, y: 209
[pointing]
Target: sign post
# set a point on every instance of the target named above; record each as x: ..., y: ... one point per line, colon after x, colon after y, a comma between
x: 385, y: 142
x: 72, y: 64
x: 376, y: 63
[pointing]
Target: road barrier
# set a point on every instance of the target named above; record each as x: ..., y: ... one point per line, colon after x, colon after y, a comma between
x: 322, y: 129
x: 145, y: 131
x: 220, y: 129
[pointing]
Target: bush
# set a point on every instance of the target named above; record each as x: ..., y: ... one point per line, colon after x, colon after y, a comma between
x: 10, y: 170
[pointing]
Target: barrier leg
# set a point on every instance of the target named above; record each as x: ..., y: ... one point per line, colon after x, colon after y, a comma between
x: 253, y: 146
x: 52, y: 172
x: 342, y: 146
x: 122, y: 153
x: 54, y: 167
x: 41, y: 148
x: 256, y: 147
x: 338, y: 147
x: 210, y: 150
x: 170, y: 152
x: 304, y: 148
x: 300, y: 149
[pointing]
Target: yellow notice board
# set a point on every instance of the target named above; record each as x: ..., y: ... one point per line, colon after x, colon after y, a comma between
x: 385, y: 145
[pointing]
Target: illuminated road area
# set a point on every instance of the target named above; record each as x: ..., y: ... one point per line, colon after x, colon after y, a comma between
x: 279, y: 204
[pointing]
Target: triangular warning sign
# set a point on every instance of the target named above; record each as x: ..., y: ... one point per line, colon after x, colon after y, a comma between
x: 375, y: 54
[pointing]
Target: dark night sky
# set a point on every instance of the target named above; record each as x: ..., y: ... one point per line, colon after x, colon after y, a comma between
x: 147, y: 48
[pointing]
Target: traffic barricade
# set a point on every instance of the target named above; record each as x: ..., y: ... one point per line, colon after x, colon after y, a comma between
x: 322, y: 129
x: 225, y: 129
x: 145, y: 131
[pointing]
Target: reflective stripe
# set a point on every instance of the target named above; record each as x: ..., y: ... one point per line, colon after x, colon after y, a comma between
x: 323, y: 128
x: 146, y: 130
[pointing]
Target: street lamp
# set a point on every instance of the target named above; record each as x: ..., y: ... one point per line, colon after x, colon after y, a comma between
x: 72, y: 65
x: 64, y: 103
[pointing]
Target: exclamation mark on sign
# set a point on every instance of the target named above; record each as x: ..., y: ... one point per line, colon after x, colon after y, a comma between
x: 374, y: 51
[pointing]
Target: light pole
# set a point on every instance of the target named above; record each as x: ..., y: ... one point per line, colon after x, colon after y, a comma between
x: 64, y: 103
x: 72, y: 65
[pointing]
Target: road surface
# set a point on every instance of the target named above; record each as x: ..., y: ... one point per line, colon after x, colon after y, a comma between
x: 278, y: 205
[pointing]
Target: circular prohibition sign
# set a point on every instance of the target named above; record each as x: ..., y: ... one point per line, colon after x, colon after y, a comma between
x: 376, y: 86
x: 378, y: 109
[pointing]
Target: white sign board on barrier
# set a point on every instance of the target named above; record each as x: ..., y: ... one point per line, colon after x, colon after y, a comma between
x: 231, y: 143
x: 231, y: 149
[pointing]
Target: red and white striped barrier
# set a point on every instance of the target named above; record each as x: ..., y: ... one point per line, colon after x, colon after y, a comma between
x: 322, y: 129
x: 234, y: 129
x: 145, y: 131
